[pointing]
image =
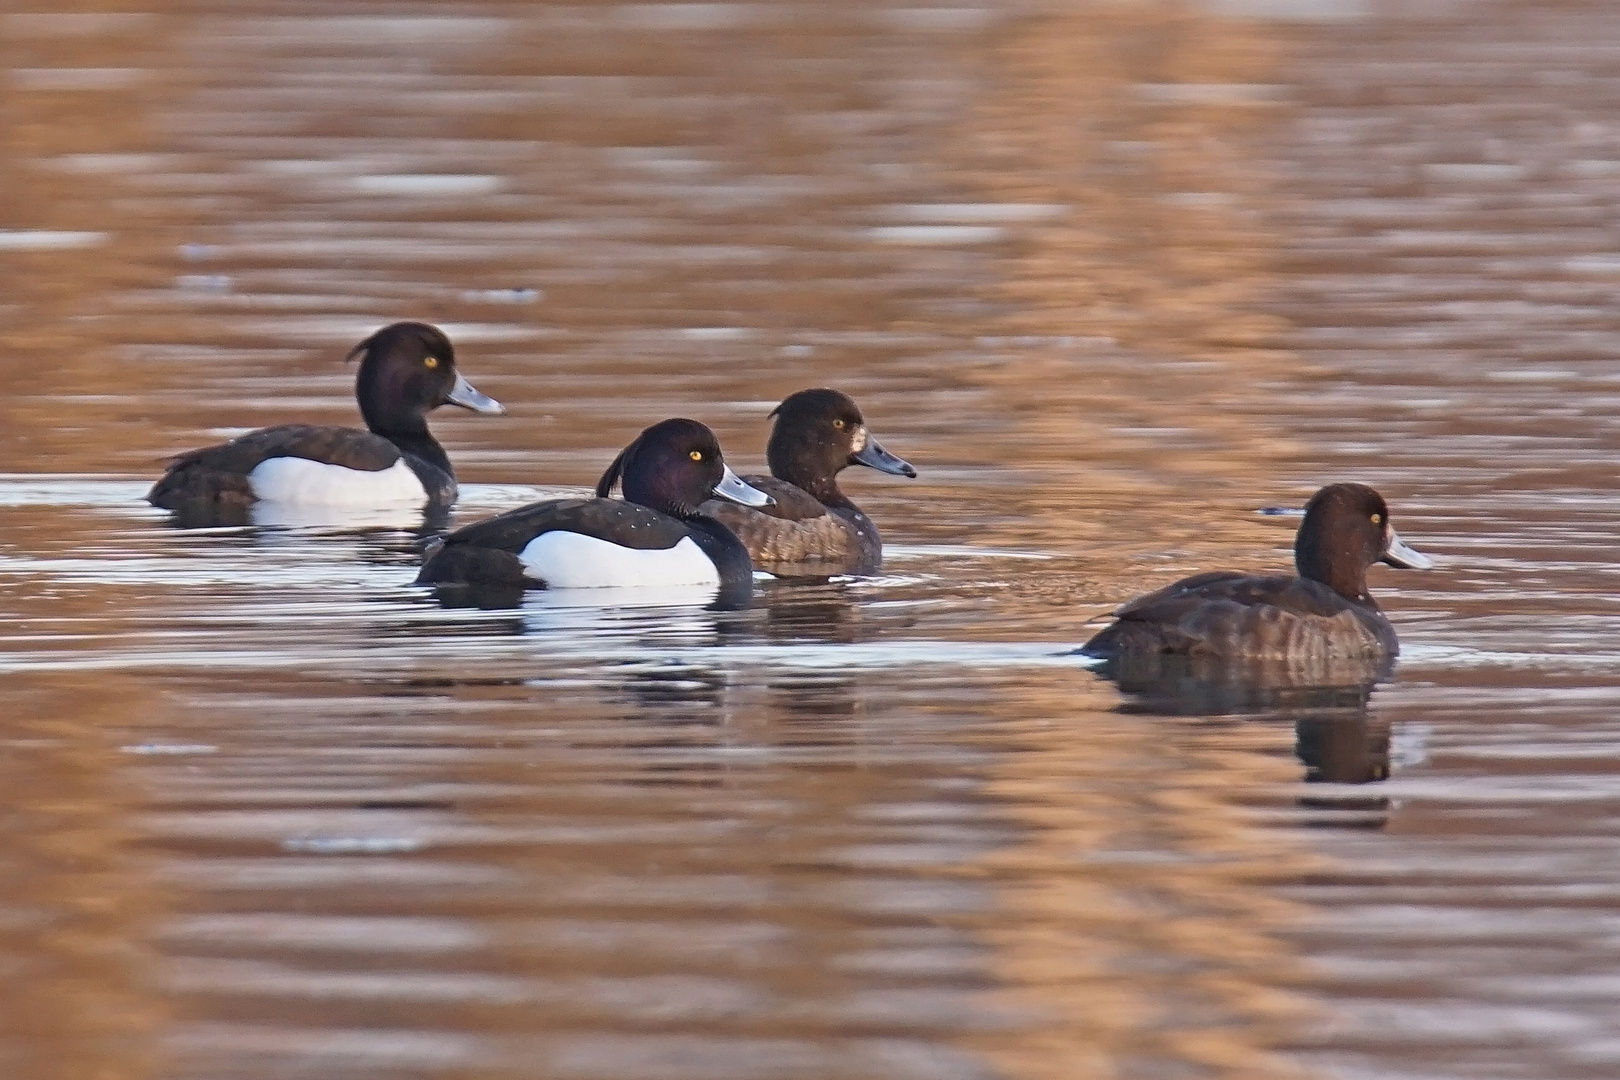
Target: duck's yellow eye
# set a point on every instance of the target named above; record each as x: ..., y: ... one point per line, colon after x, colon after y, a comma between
x: 696, y: 455
x: 839, y: 424
x: 431, y: 362
x: 1378, y: 519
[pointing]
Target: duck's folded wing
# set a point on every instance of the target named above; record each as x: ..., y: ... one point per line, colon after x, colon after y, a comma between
x: 220, y: 473
x: 1285, y: 592
x: 621, y: 523
x: 1228, y: 613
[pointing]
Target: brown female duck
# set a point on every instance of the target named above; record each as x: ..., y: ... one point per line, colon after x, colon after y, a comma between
x: 1323, y: 612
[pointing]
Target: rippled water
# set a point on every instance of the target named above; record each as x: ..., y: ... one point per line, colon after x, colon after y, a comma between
x: 1112, y: 276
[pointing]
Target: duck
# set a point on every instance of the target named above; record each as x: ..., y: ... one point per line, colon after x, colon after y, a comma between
x: 1323, y: 613
x: 407, y: 369
x: 656, y: 536
x: 812, y: 529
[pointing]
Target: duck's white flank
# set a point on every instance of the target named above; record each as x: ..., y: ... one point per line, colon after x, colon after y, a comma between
x: 315, y: 483
x: 566, y: 560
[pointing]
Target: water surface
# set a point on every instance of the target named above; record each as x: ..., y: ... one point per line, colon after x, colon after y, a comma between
x: 1112, y: 277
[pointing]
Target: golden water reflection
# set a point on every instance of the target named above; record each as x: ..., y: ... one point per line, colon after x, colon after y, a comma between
x: 872, y: 829
x: 78, y: 902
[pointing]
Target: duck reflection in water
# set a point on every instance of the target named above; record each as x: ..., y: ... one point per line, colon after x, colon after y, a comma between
x: 1351, y: 747
x: 1175, y: 684
x: 1336, y: 738
x: 269, y: 519
x: 678, y: 692
x: 803, y: 704
x: 572, y: 604
x: 810, y: 610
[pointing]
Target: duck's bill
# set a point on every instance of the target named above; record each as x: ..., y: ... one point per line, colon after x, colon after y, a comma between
x: 468, y: 397
x: 1398, y: 554
x: 731, y: 487
x: 874, y: 456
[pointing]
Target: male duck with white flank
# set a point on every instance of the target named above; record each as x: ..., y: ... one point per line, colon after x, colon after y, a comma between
x: 657, y: 536
x: 407, y: 370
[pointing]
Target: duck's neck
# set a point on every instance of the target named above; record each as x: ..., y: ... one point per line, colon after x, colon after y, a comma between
x: 1340, y: 571
x: 806, y: 468
x: 413, y: 438
x: 813, y: 482
x: 825, y: 490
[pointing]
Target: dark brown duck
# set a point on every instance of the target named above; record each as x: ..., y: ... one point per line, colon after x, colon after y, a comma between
x: 1323, y: 612
x: 813, y: 529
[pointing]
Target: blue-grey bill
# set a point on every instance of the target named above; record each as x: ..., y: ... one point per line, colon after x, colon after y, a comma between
x: 468, y: 397
x: 873, y: 455
x: 1398, y: 554
x: 731, y: 487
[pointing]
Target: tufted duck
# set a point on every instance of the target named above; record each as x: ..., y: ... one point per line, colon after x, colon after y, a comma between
x: 656, y: 536
x: 813, y: 530
x: 1324, y: 613
x: 406, y: 370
